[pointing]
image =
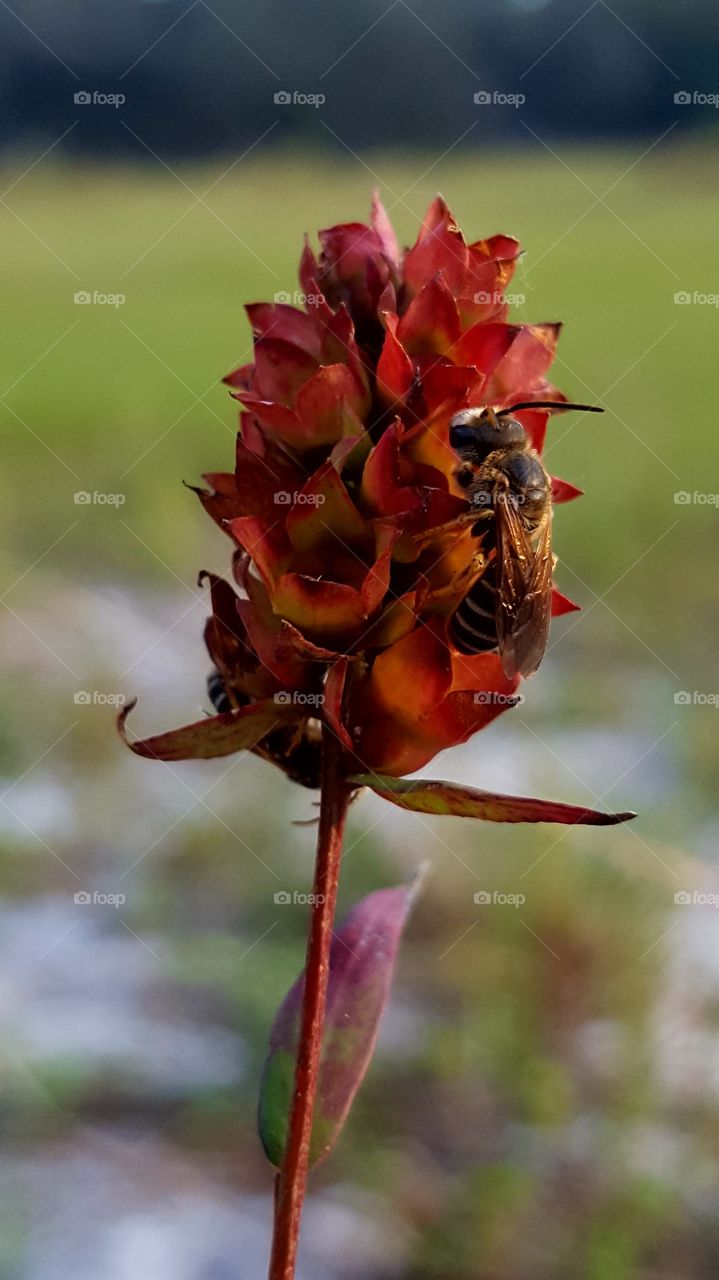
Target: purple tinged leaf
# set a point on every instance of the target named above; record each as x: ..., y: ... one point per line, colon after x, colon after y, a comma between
x: 362, y: 959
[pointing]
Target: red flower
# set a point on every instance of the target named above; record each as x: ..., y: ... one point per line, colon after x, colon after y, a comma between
x: 352, y: 548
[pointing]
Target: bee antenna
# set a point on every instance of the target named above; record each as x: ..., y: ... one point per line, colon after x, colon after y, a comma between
x: 549, y: 404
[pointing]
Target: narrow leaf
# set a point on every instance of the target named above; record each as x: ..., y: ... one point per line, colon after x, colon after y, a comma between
x: 424, y: 796
x: 362, y: 961
x: 214, y: 736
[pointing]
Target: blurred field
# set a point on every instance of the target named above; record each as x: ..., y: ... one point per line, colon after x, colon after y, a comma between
x: 542, y: 1101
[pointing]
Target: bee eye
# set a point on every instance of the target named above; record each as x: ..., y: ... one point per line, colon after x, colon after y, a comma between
x: 462, y: 437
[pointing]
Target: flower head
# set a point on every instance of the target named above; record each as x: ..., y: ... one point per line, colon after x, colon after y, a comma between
x: 352, y: 547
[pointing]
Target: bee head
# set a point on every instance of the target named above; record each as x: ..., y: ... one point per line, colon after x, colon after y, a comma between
x: 475, y: 433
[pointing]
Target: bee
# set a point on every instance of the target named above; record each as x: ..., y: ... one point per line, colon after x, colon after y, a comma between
x: 217, y: 693
x: 295, y: 750
x: 509, y: 606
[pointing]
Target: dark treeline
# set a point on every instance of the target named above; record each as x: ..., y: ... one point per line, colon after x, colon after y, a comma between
x: 208, y: 82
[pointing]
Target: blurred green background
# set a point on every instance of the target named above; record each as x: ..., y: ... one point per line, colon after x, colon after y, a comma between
x: 543, y: 1100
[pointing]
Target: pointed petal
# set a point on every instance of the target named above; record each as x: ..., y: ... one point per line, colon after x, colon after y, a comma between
x: 268, y: 545
x: 525, y: 363
x: 440, y: 246
x: 221, y: 501
x: 413, y: 704
x: 444, y: 388
x: 277, y: 320
x: 385, y: 232
x: 290, y: 657
x: 430, y: 325
x: 395, y: 371
x: 328, y: 405
x: 561, y: 604
x: 281, y: 369
x: 563, y: 491
x: 324, y: 514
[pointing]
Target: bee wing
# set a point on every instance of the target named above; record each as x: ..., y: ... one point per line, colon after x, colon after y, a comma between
x: 524, y: 590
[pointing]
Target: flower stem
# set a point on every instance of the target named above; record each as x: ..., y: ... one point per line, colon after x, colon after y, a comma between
x: 292, y: 1178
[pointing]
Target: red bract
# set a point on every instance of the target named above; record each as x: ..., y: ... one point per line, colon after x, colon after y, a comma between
x: 352, y: 548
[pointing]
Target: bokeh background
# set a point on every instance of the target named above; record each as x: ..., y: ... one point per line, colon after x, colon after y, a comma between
x: 542, y: 1105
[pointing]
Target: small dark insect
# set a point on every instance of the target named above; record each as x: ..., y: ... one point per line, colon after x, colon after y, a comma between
x: 296, y: 749
x: 508, y: 607
x: 217, y: 692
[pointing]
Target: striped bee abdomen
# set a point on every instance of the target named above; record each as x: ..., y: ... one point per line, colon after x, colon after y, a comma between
x: 473, y: 627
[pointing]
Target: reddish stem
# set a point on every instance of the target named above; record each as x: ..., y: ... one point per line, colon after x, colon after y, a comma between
x: 292, y: 1178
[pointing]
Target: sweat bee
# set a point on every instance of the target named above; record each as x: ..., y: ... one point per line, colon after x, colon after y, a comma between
x: 508, y: 608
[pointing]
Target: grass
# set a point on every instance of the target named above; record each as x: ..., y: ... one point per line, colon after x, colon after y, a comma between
x: 128, y: 399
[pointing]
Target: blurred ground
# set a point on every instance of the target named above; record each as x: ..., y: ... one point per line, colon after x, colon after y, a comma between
x: 543, y: 1103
